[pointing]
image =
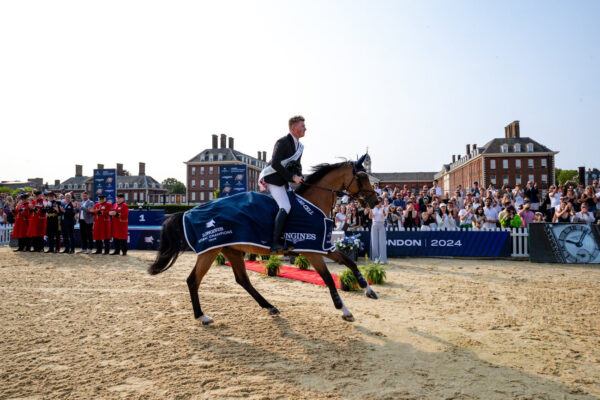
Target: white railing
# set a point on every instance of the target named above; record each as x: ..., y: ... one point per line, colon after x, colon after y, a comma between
x: 519, y: 236
x: 5, y: 234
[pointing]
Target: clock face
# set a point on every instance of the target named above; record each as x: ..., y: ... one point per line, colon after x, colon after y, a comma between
x: 577, y: 244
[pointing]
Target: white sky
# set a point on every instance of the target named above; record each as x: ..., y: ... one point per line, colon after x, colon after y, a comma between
x: 128, y: 81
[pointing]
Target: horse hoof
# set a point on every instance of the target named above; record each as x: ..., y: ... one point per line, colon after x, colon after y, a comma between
x: 273, y: 311
x: 371, y: 294
x: 206, y: 320
x: 349, y: 318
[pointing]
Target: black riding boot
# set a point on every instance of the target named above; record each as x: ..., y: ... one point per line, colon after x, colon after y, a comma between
x: 124, y: 246
x: 98, y: 247
x: 106, y: 246
x: 117, y: 247
x: 21, y: 245
x: 280, y: 219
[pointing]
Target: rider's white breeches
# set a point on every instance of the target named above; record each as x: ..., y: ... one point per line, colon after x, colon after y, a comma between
x: 279, y: 193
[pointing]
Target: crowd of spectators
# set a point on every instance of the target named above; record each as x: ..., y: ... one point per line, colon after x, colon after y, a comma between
x: 474, y: 207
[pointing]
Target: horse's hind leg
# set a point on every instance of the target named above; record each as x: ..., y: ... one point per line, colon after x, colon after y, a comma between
x: 203, y: 264
x: 319, y: 264
x: 348, y: 262
x: 236, y: 258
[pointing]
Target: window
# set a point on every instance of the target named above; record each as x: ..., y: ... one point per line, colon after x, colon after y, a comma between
x: 504, y: 148
x: 517, y: 148
x: 220, y: 157
x: 531, y: 178
x: 193, y: 170
x: 135, y: 185
x: 210, y: 183
x: 530, y: 163
x: 202, y: 157
x: 201, y: 196
x: 505, y: 164
x: 505, y: 180
x: 544, y: 163
x: 493, y: 179
x: 518, y: 163
x: 530, y: 147
x: 120, y: 186
x: 141, y: 196
x: 193, y: 183
x: 201, y: 170
x: 127, y: 186
x: 210, y: 170
x: 210, y: 157
x: 518, y: 179
x: 210, y: 194
x: 134, y: 196
x: 193, y: 196
x: 126, y: 196
x: 201, y: 182
x: 544, y: 178
x: 492, y: 164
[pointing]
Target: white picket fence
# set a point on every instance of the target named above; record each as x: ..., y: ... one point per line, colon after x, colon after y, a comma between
x: 5, y: 234
x: 519, y: 236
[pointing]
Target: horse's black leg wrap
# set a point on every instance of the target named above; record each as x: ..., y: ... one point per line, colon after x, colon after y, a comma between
x: 337, y: 300
x: 360, y: 278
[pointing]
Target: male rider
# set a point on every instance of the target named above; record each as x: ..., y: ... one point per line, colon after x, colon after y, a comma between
x: 284, y: 168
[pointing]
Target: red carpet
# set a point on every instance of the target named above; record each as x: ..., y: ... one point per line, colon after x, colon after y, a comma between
x: 309, y: 276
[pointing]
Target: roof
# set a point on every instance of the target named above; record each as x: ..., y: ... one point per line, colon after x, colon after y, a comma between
x: 227, y: 154
x: 76, y: 180
x: 404, y: 176
x: 494, y: 145
x: 125, y: 180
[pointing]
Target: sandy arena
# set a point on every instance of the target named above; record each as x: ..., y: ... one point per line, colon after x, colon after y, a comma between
x: 89, y: 327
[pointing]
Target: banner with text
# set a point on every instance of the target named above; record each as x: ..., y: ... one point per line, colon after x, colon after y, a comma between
x: 232, y: 180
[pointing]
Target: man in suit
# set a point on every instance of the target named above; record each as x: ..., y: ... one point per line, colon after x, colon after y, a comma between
x: 284, y: 168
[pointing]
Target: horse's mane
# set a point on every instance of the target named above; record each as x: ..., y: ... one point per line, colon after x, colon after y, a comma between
x: 318, y: 172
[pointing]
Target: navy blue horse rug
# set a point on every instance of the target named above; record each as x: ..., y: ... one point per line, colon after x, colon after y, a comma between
x: 247, y: 218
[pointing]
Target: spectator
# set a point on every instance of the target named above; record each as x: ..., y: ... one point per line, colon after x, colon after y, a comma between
x: 3, y: 217
x: 476, y: 203
x: 533, y: 194
x: 466, y: 216
x: 428, y: 219
x: 526, y: 214
x: 354, y: 219
x: 584, y: 215
x: 340, y: 218
x: 564, y: 211
x: 436, y: 190
x: 399, y: 200
x: 595, y: 187
x: 392, y: 217
x: 378, y: 237
x: 518, y: 195
x: 86, y: 224
x: 573, y: 199
x: 511, y: 218
x: 554, y: 195
x: 68, y: 224
x: 475, y: 189
x: 479, y: 218
x: 411, y: 216
x: 491, y: 215
x: 589, y: 198
x: 445, y: 220
x: 539, y: 217
x: 376, y: 188
x: 459, y: 199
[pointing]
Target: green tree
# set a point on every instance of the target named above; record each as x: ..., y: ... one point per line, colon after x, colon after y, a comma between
x: 174, y: 186
x: 565, y: 175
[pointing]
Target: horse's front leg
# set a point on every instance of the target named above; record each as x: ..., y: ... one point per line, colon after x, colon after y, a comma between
x: 348, y: 262
x: 319, y: 264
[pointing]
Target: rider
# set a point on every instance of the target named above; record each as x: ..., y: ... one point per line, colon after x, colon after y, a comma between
x: 284, y: 168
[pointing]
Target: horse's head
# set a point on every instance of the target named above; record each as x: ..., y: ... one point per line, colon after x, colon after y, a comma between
x: 359, y: 186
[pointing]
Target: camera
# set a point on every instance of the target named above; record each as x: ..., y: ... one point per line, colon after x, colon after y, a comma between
x: 118, y: 214
x: 99, y: 212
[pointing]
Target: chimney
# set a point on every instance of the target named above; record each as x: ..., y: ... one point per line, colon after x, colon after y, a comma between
x: 100, y: 166
x: 473, y: 148
x: 512, y: 130
x: 467, y: 153
x: 259, y: 158
x: 57, y: 182
x: 453, y: 157
x: 119, y: 169
x: 231, y: 143
x: 215, y: 141
x: 223, y: 140
x: 142, y: 169
x: 264, y: 156
x: 78, y: 170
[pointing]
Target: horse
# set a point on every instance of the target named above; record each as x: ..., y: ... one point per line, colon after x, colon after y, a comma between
x: 321, y: 188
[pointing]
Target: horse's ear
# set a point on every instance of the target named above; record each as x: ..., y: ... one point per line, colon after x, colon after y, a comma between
x: 359, y: 163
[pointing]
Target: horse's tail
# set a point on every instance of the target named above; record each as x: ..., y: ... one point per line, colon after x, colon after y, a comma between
x: 172, y: 242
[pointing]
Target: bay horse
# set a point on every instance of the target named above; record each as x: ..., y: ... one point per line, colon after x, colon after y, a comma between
x: 321, y: 188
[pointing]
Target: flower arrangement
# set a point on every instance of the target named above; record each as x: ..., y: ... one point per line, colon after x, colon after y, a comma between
x: 349, y: 243
x: 374, y: 271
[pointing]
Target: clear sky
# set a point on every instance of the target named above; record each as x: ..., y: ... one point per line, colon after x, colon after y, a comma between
x: 127, y: 81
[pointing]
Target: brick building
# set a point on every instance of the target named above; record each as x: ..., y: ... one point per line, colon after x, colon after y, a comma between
x: 203, y: 169
x: 136, y: 188
x: 510, y: 160
x: 413, y: 180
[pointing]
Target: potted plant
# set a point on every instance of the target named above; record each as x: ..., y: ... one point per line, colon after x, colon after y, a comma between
x: 273, y: 265
x: 302, y: 262
x: 374, y: 272
x: 348, y: 281
x: 349, y: 246
x: 220, y: 260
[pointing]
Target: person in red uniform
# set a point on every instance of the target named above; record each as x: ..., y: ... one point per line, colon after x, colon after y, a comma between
x: 101, y: 224
x: 120, y: 224
x: 37, y: 222
x: 21, y: 213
